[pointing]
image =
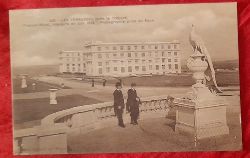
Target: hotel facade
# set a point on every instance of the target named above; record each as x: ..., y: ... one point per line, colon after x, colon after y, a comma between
x: 123, y: 59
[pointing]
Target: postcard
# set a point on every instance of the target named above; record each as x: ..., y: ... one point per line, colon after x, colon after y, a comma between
x: 125, y: 79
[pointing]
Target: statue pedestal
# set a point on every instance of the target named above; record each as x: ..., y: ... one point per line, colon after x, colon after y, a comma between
x: 53, y: 100
x: 201, y: 119
x: 23, y: 82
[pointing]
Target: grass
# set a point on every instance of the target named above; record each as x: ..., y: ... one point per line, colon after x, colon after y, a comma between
x: 36, y: 109
x: 40, y: 86
x: 222, y: 78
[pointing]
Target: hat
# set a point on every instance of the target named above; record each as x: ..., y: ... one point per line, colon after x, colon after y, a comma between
x: 133, y: 84
x: 118, y: 84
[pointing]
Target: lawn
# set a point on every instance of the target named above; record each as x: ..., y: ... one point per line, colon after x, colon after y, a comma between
x: 40, y: 86
x: 172, y: 80
x: 35, y: 109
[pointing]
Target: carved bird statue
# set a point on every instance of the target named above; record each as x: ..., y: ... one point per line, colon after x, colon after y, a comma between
x: 198, y: 45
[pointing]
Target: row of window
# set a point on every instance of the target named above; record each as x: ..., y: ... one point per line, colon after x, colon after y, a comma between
x: 136, y: 47
x: 122, y: 54
x: 137, y: 68
x: 136, y: 61
x: 79, y: 65
x: 136, y: 54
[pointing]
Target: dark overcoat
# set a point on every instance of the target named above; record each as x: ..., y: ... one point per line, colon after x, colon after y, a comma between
x: 118, y: 101
x: 133, y: 102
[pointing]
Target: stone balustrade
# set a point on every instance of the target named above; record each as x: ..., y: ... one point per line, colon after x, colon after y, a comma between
x: 81, y: 119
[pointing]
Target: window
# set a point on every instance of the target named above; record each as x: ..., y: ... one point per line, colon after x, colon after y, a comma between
x: 130, y: 69
x: 122, y: 69
x: 100, y: 70
x: 129, y: 54
x: 150, y: 67
x: 156, y: 54
x: 115, y: 68
x: 78, y: 54
x: 137, y: 68
x: 169, y: 46
x: 176, y: 66
x: 163, y: 60
x: 99, y: 48
x: 169, y: 60
x: 157, y: 67
x: 114, y: 55
x: 107, y: 48
x: 162, y: 53
x: 107, y: 69
x: 142, y: 47
x: 135, y: 47
x: 121, y: 47
x: 175, y: 60
x: 156, y: 47
x: 175, y: 53
x: 143, y: 54
x: 169, y: 66
x: 107, y: 63
x: 136, y: 61
x: 114, y: 48
x: 99, y: 63
x: 129, y: 47
x: 122, y: 54
x: 163, y: 67
x: 99, y: 55
x: 143, y: 68
x: 84, y: 65
x: 175, y: 46
x: 150, y: 61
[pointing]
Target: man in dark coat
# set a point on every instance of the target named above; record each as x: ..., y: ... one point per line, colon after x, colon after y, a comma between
x: 119, y: 104
x: 132, y: 105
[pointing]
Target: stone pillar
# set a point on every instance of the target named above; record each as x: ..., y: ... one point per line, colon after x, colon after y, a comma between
x: 24, y: 82
x: 33, y: 86
x: 53, y: 96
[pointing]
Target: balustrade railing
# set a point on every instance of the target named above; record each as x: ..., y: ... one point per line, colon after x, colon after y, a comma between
x: 102, y: 111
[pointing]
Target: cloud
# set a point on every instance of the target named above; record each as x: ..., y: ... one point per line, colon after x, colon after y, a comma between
x: 40, y: 45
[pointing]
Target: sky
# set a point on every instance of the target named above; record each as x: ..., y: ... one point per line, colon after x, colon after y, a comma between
x: 34, y: 44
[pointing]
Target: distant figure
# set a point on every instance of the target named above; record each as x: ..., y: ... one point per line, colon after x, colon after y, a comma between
x: 62, y: 85
x: 104, y: 82
x: 93, y: 83
x: 132, y: 105
x: 119, y: 104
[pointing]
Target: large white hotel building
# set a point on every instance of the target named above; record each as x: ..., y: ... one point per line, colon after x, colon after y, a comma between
x: 122, y: 59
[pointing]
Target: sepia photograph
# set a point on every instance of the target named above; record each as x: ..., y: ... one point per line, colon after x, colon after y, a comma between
x: 125, y: 79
